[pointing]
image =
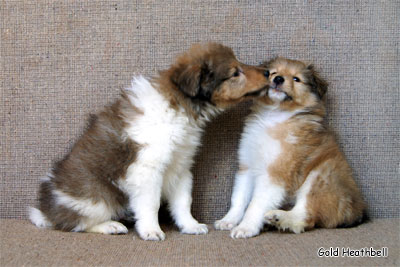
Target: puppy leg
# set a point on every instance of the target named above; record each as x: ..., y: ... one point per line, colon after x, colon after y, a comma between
x: 285, y: 220
x: 241, y: 195
x: 71, y: 213
x: 299, y: 218
x: 179, y: 195
x: 266, y: 196
x: 144, y: 184
x: 109, y: 227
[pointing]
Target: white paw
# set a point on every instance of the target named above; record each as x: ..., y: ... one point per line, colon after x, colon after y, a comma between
x: 284, y: 220
x: 273, y: 217
x: 38, y: 218
x: 244, y: 232
x: 197, y: 229
x: 224, y: 225
x: 109, y: 228
x: 152, y: 235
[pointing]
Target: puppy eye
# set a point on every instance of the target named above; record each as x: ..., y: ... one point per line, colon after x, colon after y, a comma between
x: 296, y: 79
x: 236, y: 73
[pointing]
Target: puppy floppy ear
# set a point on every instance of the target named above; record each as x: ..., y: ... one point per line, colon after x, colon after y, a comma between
x: 318, y: 85
x: 187, y: 79
x: 195, y: 81
x: 266, y: 64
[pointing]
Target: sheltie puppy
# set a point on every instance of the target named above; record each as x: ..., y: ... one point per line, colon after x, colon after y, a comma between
x: 139, y: 150
x: 287, y: 154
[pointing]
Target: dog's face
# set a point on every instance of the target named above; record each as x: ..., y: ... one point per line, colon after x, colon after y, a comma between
x: 293, y: 83
x: 211, y: 73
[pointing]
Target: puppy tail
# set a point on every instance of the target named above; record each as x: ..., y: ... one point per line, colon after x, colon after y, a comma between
x: 38, y: 218
x: 362, y: 219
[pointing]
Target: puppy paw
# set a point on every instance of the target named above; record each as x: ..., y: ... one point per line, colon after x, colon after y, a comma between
x: 273, y: 217
x: 284, y: 220
x: 108, y: 228
x: 244, y: 232
x: 224, y: 225
x: 152, y: 235
x: 197, y: 229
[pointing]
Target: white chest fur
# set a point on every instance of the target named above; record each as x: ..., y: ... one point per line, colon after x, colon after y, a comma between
x: 257, y: 148
x: 165, y: 129
x: 253, y: 192
x: 168, y: 139
x: 167, y: 136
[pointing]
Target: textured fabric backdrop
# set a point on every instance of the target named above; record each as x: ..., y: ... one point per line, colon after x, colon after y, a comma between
x: 61, y: 60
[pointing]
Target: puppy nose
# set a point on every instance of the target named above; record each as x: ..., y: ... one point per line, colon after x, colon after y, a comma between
x: 278, y: 80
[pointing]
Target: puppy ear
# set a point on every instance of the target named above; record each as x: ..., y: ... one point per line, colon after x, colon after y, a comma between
x: 263, y: 64
x: 208, y: 82
x: 318, y: 85
x: 187, y: 79
x: 267, y: 63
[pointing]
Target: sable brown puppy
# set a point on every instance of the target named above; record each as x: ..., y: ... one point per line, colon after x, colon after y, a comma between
x: 286, y: 153
x: 140, y: 149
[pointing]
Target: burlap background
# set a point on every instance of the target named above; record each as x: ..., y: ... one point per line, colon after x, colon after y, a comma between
x: 61, y: 60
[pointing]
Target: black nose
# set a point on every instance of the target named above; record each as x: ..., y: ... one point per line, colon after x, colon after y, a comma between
x: 278, y: 80
x: 266, y: 73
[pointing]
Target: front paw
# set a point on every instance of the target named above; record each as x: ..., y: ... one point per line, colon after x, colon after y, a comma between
x: 244, y: 232
x: 273, y: 217
x: 196, y: 229
x: 151, y: 234
x: 285, y: 220
x: 109, y: 228
x: 224, y: 225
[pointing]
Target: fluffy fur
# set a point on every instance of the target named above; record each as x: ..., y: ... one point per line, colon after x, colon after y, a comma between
x: 140, y: 149
x: 287, y: 154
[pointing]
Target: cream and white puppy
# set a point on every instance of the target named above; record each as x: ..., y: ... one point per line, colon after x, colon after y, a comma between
x: 139, y: 150
x: 287, y: 154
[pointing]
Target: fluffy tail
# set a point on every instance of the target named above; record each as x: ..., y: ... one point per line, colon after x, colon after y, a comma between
x: 363, y: 219
x: 38, y: 219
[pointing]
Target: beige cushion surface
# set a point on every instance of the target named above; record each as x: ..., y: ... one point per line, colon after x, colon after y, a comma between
x: 22, y: 244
